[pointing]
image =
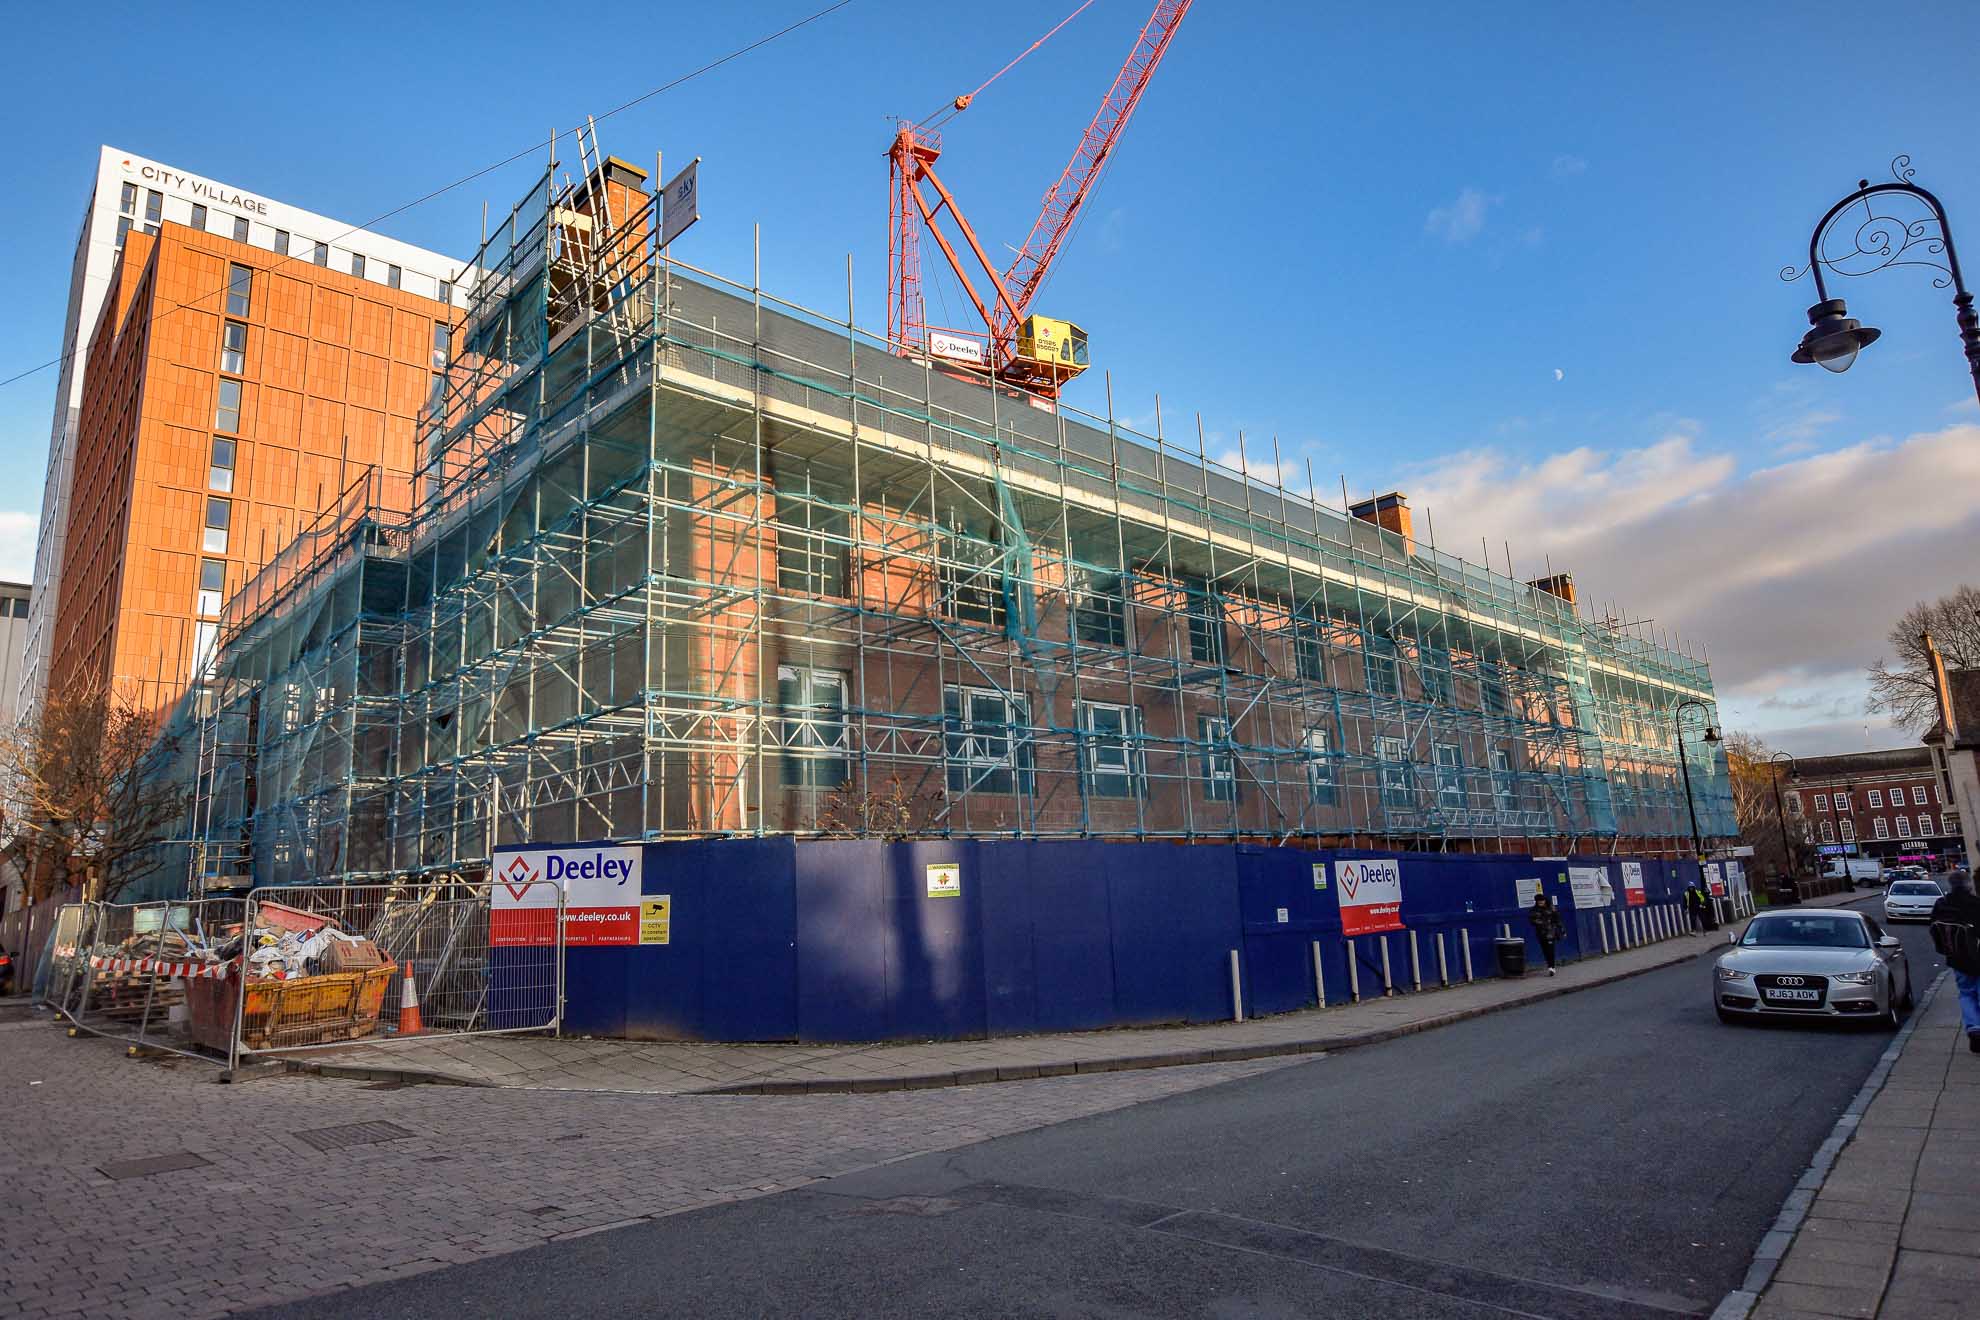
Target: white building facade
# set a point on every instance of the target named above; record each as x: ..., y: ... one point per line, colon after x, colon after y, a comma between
x: 133, y: 192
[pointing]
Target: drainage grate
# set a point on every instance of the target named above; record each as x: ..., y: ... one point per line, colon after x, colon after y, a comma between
x: 351, y: 1134
x: 151, y: 1164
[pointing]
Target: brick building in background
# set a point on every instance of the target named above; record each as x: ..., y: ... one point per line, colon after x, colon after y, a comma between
x: 232, y: 392
x: 1889, y: 805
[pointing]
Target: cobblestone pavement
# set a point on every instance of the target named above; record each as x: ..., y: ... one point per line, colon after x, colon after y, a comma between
x: 273, y: 1215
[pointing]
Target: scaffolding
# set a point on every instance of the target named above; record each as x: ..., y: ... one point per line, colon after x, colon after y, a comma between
x: 684, y: 559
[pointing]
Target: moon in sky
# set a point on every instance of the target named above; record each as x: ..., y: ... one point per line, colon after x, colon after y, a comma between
x: 1559, y: 374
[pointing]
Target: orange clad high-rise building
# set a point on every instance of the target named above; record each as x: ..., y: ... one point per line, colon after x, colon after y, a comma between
x: 231, y: 393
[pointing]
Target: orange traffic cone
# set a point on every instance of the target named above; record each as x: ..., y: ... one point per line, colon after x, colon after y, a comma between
x: 409, y: 1023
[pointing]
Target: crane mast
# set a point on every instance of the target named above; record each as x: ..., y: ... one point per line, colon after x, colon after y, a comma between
x: 1035, y: 352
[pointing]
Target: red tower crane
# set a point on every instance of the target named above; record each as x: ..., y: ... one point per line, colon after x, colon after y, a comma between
x: 1023, y: 348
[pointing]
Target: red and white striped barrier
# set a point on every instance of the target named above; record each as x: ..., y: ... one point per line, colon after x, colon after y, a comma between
x: 195, y: 970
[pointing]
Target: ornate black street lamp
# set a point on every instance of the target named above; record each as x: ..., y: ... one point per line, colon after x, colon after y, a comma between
x: 1875, y: 242
x: 1691, y: 804
x: 1780, y: 813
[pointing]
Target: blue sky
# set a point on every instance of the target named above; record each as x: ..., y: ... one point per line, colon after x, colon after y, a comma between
x: 1519, y: 260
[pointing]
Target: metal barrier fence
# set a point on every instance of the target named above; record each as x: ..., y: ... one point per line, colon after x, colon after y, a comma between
x: 330, y: 964
x: 130, y: 971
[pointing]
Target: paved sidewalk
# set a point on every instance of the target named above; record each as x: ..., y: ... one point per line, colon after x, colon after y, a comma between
x: 1895, y: 1229
x: 542, y: 1063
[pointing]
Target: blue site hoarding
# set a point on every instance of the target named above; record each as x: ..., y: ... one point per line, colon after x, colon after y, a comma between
x: 779, y: 939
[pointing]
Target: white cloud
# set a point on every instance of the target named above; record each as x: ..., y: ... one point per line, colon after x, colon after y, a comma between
x: 1566, y: 166
x: 1461, y: 221
x: 1788, y: 575
x: 17, y: 531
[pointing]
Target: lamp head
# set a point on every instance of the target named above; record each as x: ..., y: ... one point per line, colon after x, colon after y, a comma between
x: 1834, y: 337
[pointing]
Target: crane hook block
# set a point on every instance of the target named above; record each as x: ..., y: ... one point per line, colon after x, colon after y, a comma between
x: 962, y: 102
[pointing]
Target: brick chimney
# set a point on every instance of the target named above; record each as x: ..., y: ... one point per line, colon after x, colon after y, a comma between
x: 1390, y: 512
x: 1560, y: 584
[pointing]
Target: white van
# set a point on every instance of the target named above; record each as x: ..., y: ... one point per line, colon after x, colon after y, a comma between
x: 1860, y: 870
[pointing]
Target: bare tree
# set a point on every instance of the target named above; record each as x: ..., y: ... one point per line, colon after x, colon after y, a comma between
x: 890, y: 811
x: 1749, y: 762
x: 1902, y: 687
x: 90, y: 794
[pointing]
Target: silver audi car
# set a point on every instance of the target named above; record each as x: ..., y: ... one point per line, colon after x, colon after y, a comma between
x: 1813, y: 963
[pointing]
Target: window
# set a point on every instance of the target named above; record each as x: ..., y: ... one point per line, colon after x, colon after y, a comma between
x: 1112, y: 735
x: 1492, y: 690
x: 986, y: 741
x: 282, y: 242
x: 1310, y: 648
x: 447, y: 292
x: 123, y: 228
x: 220, y: 472
x: 1924, y: 825
x: 1876, y: 798
x: 1100, y: 612
x: 1435, y: 662
x: 1903, y: 826
x: 1217, y: 763
x: 357, y: 265
x: 128, y: 202
x: 205, y: 634
x: 1842, y: 802
x: 970, y: 579
x: 1918, y: 795
x: 227, y: 409
x: 1794, y: 804
x: 1821, y: 802
x: 1504, y: 791
x: 1828, y: 832
x: 812, y: 542
x: 1450, y: 776
x: 212, y: 585
x: 240, y: 229
x: 322, y: 257
x: 1378, y: 662
x: 20, y: 607
x: 393, y: 276
x: 199, y: 218
x: 1393, y: 771
x: 816, y: 745
x: 1848, y: 831
x: 442, y: 337
x: 1320, y: 778
x: 154, y: 206
x: 1206, y: 622
x: 240, y: 290
x: 218, y: 514
x: 233, y: 347
x: 1879, y: 827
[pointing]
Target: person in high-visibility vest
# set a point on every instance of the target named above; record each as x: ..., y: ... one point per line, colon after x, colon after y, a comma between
x: 1694, y: 903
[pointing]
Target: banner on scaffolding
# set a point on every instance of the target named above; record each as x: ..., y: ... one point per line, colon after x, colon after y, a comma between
x: 1590, y: 885
x: 1370, y: 892
x: 680, y: 202
x: 600, y: 886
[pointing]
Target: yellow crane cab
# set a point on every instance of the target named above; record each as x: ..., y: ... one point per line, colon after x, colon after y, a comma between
x: 1051, y: 349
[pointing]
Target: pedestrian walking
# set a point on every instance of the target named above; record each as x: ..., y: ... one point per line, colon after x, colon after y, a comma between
x: 1694, y: 905
x: 1956, y: 934
x: 1547, y: 926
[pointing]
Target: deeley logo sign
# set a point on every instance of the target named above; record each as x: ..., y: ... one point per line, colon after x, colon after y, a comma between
x: 197, y: 188
x: 1370, y: 892
x: 601, y: 895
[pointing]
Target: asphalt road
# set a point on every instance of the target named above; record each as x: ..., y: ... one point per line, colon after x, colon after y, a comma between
x: 1613, y: 1153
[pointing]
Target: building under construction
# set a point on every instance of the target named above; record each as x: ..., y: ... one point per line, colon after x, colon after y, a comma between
x: 684, y: 560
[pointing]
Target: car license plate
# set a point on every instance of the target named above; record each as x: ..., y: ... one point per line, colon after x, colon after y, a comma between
x: 1796, y: 996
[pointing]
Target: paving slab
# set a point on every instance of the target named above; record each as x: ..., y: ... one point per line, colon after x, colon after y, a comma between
x: 1894, y: 1230
x: 543, y: 1063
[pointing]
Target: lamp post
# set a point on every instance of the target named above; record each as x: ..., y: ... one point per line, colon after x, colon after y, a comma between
x: 1834, y: 337
x: 1690, y: 803
x: 1780, y: 812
